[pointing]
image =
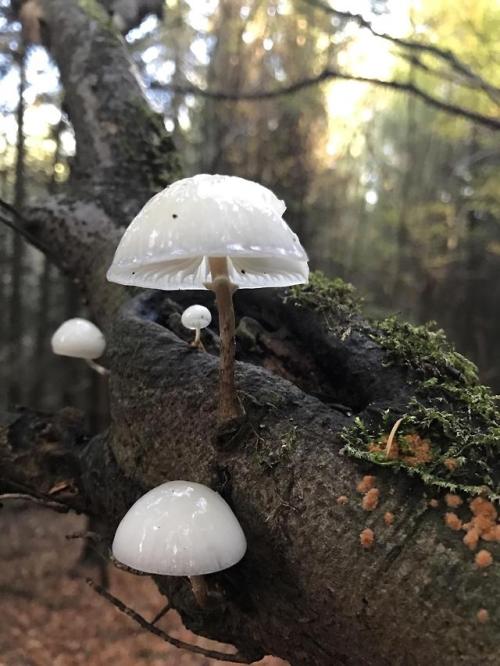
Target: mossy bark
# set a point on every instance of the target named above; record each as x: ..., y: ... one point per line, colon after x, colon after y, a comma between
x: 310, y: 371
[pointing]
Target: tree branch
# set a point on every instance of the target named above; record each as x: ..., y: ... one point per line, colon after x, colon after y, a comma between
x: 15, y: 221
x: 123, y: 152
x: 60, y: 507
x: 330, y: 74
x: 444, y: 55
x: 156, y: 631
x: 39, y: 452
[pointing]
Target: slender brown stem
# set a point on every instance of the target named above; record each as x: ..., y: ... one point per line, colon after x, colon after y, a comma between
x: 200, y: 590
x: 48, y: 503
x: 229, y: 407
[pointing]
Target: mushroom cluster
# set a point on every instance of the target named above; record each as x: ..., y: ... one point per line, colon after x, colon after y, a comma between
x: 180, y: 529
x: 212, y: 232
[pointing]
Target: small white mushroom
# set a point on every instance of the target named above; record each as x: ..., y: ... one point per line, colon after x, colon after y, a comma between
x: 80, y: 338
x: 180, y: 529
x: 216, y: 232
x: 196, y: 317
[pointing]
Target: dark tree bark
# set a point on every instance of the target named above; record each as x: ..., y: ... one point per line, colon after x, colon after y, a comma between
x: 16, y: 306
x: 306, y: 590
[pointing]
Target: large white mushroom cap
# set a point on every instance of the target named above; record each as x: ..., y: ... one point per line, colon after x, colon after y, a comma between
x: 168, y: 243
x: 179, y: 529
x: 79, y: 338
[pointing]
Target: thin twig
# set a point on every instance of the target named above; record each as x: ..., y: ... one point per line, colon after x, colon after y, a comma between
x: 15, y: 221
x: 94, y: 538
x: 48, y: 503
x: 330, y: 74
x: 159, y: 615
x: 445, y: 55
x: 212, y: 654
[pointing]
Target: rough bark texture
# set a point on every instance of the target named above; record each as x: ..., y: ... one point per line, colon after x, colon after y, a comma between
x: 306, y: 590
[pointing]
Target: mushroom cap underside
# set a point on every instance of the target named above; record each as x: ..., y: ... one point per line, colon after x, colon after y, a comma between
x: 168, y: 244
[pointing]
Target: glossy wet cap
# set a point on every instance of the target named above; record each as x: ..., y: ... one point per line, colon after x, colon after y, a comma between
x: 168, y: 244
x: 79, y: 338
x: 179, y: 529
x: 195, y: 317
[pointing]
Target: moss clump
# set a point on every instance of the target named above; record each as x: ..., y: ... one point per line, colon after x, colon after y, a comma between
x: 424, y: 349
x: 335, y: 299
x: 457, y: 415
x: 96, y: 11
x: 270, y: 458
x: 450, y: 434
x: 150, y: 149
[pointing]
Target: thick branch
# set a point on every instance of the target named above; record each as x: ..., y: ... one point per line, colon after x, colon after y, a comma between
x: 39, y: 457
x: 306, y: 590
x: 123, y: 153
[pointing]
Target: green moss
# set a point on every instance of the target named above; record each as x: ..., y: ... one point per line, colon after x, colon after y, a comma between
x: 458, y: 415
x: 423, y: 348
x: 458, y: 418
x: 335, y: 299
x: 323, y: 294
x: 271, y: 457
x: 96, y: 11
x: 149, y: 148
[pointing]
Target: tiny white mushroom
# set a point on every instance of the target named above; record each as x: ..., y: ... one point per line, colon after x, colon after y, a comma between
x: 80, y: 338
x: 196, y: 317
x: 180, y: 529
x: 216, y: 232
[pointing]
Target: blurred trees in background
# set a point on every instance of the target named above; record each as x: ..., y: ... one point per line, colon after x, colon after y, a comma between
x: 385, y: 190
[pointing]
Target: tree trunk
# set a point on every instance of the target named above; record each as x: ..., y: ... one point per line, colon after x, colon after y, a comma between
x: 16, y: 305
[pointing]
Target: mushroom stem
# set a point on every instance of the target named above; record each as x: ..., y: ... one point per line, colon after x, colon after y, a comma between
x: 98, y: 368
x: 197, y: 343
x: 200, y: 590
x: 229, y: 407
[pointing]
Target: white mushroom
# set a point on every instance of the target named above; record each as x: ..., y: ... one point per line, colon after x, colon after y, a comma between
x: 216, y: 232
x: 80, y: 338
x: 180, y: 529
x: 196, y: 317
